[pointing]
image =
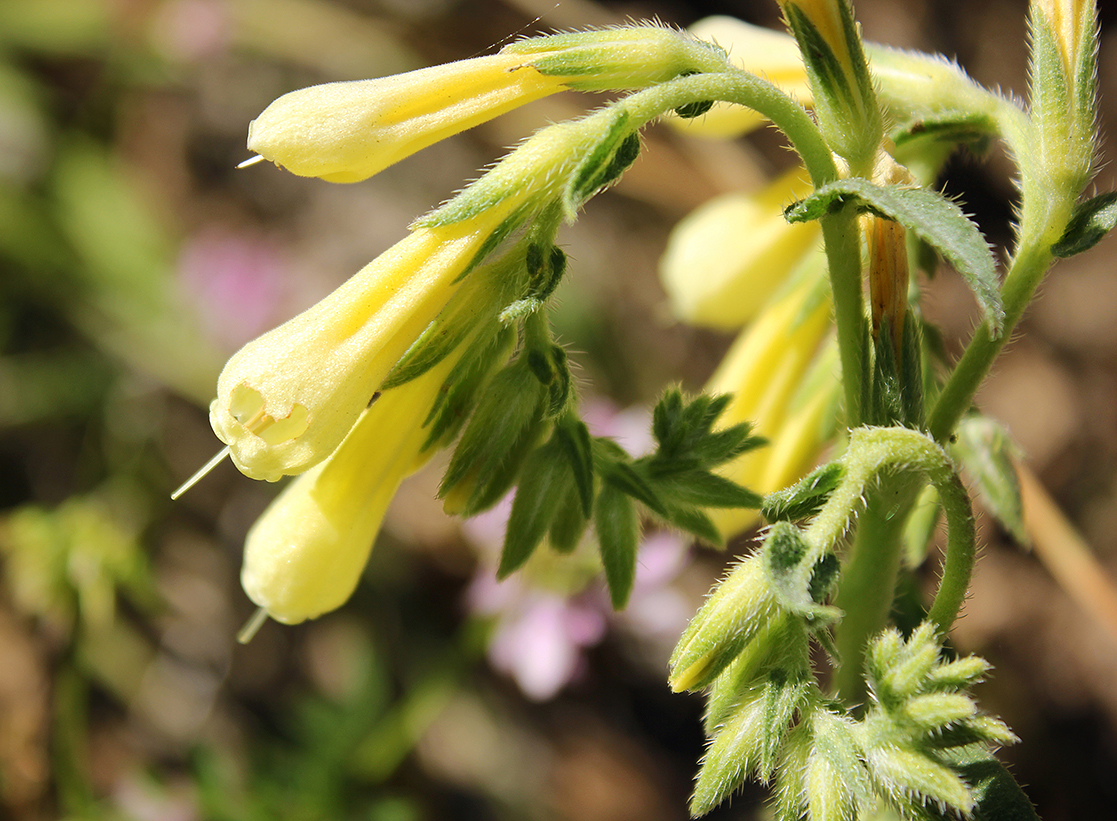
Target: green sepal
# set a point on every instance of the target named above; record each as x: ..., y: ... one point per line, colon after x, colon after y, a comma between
x: 618, y: 534
x: 1091, y: 221
x: 931, y: 217
x: 911, y: 373
x: 885, y: 407
x: 504, y: 428
x: 469, y: 314
x: 804, y: 498
x: 973, y: 129
x: 696, y: 109
x: 986, y: 453
x: 896, y: 396
x: 544, y: 482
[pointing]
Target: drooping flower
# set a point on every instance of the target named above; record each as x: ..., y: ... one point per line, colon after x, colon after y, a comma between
x: 287, y: 399
x: 785, y: 385
x: 304, y: 556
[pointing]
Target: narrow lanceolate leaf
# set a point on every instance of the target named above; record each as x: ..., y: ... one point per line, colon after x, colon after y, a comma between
x: 1092, y: 220
x: 986, y: 452
x: 618, y: 534
x: 544, y: 481
x: 931, y: 216
x: 574, y: 437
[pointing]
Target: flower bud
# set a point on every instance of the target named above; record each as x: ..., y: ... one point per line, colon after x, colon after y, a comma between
x: 848, y: 112
x: 772, y: 55
x: 1064, y: 69
x: 305, y: 554
x: 286, y: 400
x: 736, y: 613
x: 349, y: 131
x: 725, y: 259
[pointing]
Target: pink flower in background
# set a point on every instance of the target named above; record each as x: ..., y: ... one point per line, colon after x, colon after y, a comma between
x: 236, y: 281
x: 540, y: 636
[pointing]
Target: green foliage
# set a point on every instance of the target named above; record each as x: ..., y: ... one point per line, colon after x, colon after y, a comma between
x: 930, y: 216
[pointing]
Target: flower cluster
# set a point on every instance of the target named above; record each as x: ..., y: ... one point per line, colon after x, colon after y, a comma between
x: 445, y: 339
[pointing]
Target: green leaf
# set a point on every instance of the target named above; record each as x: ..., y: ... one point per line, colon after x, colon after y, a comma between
x: 618, y: 534
x: 1091, y: 221
x: 931, y: 217
x: 704, y: 489
x: 695, y: 522
x: 544, y: 480
x: 997, y: 796
x: 986, y: 452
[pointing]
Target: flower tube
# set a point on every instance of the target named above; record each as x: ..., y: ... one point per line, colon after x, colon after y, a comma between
x: 349, y: 131
x: 305, y: 554
x: 287, y: 399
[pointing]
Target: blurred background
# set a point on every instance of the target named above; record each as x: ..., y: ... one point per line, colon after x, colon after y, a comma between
x: 134, y: 258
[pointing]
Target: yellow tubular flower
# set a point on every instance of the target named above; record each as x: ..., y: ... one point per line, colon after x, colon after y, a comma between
x: 287, y: 399
x: 769, y: 54
x: 726, y: 258
x: 763, y: 370
x: 346, y: 132
x: 305, y: 554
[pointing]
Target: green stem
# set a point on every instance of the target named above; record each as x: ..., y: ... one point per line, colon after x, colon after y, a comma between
x: 960, y: 552
x: 869, y: 576
x: 839, y: 230
x: 868, y: 583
